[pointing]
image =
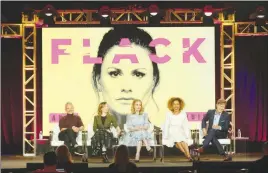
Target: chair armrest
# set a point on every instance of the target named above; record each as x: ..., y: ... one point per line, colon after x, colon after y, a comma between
x: 158, y: 132
x: 50, y: 136
x: 84, y: 135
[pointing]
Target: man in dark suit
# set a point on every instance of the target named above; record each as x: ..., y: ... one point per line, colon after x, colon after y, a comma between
x: 218, y: 125
x: 260, y: 166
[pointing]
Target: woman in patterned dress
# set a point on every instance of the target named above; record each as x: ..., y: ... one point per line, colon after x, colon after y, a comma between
x: 138, y: 125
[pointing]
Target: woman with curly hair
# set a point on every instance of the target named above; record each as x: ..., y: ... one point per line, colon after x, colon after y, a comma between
x: 176, y: 129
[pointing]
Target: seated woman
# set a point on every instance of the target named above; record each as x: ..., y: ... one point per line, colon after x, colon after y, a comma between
x: 176, y: 129
x: 138, y: 125
x: 121, y: 162
x: 102, y: 139
x: 64, y: 158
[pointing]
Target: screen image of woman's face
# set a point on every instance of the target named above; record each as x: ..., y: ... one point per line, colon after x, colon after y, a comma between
x: 123, y: 82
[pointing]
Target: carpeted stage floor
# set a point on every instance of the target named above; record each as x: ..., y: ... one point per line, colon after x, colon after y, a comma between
x: 9, y: 162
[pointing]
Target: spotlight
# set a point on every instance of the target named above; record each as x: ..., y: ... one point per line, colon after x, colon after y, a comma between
x: 261, y: 12
x: 208, y: 10
x: 208, y: 16
x: 48, y: 13
x: 104, y: 11
x: 153, y: 10
x: 259, y: 16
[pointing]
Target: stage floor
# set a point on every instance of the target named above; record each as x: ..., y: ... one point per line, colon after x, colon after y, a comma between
x: 9, y: 162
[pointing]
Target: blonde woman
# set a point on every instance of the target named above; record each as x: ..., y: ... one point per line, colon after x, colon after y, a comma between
x: 176, y: 129
x: 121, y: 162
x: 102, y: 138
x: 138, y: 125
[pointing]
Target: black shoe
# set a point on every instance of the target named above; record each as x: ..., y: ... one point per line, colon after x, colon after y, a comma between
x: 136, y: 161
x: 105, y: 158
x: 227, y: 158
x: 78, y: 151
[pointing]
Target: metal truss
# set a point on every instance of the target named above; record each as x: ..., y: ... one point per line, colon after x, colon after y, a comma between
x: 250, y: 29
x: 227, y: 59
x: 11, y: 30
x: 27, y: 31
x: 29, y: 89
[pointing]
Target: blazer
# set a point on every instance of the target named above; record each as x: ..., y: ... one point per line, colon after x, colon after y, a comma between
x: 110, y: 120
x: 223, y: 122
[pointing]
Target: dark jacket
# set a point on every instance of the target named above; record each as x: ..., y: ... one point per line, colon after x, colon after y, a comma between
x: 109, y: 121
x: 223, y: 122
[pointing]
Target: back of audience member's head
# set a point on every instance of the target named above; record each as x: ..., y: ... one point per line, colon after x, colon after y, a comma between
x: 50, y: 158
x: 265, y: 148
x: 121, y: 155
x: 63, y: 154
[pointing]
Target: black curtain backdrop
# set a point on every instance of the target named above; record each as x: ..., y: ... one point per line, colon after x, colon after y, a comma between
x: 251, y: 90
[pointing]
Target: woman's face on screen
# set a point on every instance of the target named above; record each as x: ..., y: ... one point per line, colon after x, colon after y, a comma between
x: 123, y: 82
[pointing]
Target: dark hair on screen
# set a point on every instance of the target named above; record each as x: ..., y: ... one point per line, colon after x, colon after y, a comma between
x: 113, y: 37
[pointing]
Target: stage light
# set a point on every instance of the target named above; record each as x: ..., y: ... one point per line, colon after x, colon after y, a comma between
x: 259, y: 16
x: 153, y: 10
x: 261, y: 12
x: 104, y: 11
x: 208, y: 16
x: 48, y: 14
x: 208, y: 10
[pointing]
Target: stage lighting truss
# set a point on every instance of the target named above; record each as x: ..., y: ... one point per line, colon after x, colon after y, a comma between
x: 27, y: 31
x: 11, y: 30
x: 29, y: 89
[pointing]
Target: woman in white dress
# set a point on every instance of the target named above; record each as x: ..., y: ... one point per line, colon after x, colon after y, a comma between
x: 176, y: 128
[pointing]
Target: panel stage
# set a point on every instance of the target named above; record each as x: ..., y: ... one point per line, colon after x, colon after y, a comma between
x: 13, y: 162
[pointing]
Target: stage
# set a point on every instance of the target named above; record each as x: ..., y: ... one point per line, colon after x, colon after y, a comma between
x: 15, y: 162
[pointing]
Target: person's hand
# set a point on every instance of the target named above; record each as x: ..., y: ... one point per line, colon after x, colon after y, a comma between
x: 75, y: 129
x: 216, y: 127
x: 205, y: 132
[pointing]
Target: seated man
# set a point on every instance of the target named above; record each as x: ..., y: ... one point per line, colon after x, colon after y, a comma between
x: 50, y: 163
x: 70, y: 125
x: 219, y: 121
x: 260, y: 166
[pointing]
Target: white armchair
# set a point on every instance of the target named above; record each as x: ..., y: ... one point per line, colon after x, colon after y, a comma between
x: 54, y: 137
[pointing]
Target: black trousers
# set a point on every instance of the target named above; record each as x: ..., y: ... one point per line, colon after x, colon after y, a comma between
x: 213, y: 136
x: 69, y: 137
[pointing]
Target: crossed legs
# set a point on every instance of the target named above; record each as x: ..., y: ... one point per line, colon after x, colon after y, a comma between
x: 69, y: 137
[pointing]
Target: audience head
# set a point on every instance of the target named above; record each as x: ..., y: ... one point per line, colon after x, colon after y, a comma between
x: 63, y: 154
x: 175, y: 104
x: 121, y: 155
x: 265, y: 148
x: 220, y: 106
x: 50, y: 159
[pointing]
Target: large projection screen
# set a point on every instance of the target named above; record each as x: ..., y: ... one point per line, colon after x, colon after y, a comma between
x: 68, y: 75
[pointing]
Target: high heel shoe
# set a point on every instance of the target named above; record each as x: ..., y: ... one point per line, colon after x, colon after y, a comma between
x: 105, y: 158
x: 190, y: 159
x: 137, y: 158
